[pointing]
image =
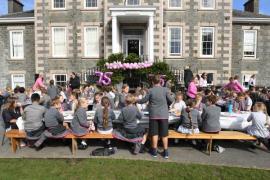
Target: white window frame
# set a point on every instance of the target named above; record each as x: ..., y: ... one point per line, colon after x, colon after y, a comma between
x: 171, y: 7
x: 12, y: 79
x: 11, y: 44
x: 126, y: 3
x: 53, y: 51
x: 85, y: 7
x: 201, y: 43
x: 54, y: 77
x: 85, y: 46
x: 208, y: 8
x: 255, y: 48
x: 52, y: 1
x: 169, y: 42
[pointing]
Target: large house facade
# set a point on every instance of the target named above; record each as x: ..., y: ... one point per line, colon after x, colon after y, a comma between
x: 62, y: 36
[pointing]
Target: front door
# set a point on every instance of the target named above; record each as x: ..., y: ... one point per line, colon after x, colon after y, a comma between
x: 133, y: 46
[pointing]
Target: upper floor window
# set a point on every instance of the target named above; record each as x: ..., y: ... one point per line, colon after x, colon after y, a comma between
x: 175, y: 41
x: 90, y: 3
x: 250, y: 43
x: 207, y: 4
x: 132, y: 2
x: 91, y: 42
x: 175, y: 3
x: 59, y: 45
x: 207, y: 42
x: 16, y: 44
x: 59, y: 4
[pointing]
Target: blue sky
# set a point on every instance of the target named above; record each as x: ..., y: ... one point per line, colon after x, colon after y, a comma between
x: 237, y: 4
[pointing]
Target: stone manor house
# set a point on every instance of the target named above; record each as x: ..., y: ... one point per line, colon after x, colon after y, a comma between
x: 62, y: 36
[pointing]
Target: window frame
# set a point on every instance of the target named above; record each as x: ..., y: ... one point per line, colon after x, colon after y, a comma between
x: 208, y: 8
x: 53, y: 35
x: 201, y: 43
x: 85, y: 7
x: 54, y: 78
x: 12, y: 79
x: 170, y: 7
x: 255, y: 45
x: 54, y: 8
x: 85, y: 45
x: 126, y: 3
x: 11, y: 44
x: 169, y: 42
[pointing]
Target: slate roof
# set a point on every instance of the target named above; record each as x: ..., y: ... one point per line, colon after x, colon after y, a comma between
x: 244, y: 14
x: 30, y: 13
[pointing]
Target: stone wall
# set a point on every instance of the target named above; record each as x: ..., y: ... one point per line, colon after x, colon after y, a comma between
x: 25, y: 66
x: 260, y: 65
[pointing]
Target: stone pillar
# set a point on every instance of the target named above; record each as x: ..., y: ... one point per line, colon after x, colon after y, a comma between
x: 115, y: 35
x: 151, y: 38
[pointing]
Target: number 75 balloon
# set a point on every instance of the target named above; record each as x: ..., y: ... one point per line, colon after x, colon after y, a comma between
x: 104, y: 78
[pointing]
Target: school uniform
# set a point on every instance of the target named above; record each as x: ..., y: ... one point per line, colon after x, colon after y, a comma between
x: 52, y: 91
x: 122, y: 100
x: 98, y: 120
x: 210, y: 119
x: 240, y: 105
x: 258, y: 127
x: 80, y: 125
x: 158, y: 98
x: 128, y: 117
x: 54, y: 122
x: 187, y: 125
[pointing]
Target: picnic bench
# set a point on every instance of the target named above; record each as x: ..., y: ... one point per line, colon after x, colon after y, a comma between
x: 15, y: 135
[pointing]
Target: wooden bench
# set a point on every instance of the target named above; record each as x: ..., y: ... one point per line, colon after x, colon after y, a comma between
x: 15, y: 135
x: 222, y: 135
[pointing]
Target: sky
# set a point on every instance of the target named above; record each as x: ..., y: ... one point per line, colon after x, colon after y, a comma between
x: 237, y: 4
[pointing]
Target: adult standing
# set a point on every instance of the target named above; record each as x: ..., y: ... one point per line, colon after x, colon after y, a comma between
x: 203, y: 80
x: 234, y: 85
x: 192, y: 88
x: 39, y: 83
x: 74, y: 81
x: 252, y: 81
x: 187, y: 76
x: 158, y: 98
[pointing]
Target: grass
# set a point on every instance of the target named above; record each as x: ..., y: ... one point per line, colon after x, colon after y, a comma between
x: 119, y: 169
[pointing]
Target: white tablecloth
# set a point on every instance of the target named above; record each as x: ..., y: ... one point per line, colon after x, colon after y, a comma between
x: 68, y: 116
x: 234, y: 121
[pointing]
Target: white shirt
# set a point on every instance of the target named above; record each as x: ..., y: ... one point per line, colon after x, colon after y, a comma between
x: 203, y: 82
x: 179, y: 106
x: 251, y: 82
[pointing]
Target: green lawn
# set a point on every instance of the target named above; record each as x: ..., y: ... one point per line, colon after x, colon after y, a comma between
x: 119, y: 169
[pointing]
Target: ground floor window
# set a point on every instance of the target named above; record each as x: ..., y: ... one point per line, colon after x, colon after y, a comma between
x: 60, y: 79
x: 17, y: 80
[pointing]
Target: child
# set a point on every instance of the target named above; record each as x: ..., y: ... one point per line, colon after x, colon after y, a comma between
x: 199, y: 105
x: 45, y: 98
x: 79, y: 125
x: 54, y: 120
x: 248, y: 101
x: 52, y: 90
x: 240, y: 103
x: 190, y: 118
x: 97, y: 101
x: 73, y: 101
x: 11, y: 112
x: 122, y: 96
x: 179, y: 104
x: 21, y: 95
x: 210, y: 119
x: 104, y: 117
x: 128, y: 117
x: 260, y: 123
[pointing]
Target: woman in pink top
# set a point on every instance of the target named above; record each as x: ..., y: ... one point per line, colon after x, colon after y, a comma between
x: 192, y: 89
x: 234, y: 85
x: 39, y: 83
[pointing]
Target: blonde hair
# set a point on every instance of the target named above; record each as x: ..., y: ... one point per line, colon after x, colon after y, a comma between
x: 259, y: 106
x: 80, y: 102
x: 130, y: 99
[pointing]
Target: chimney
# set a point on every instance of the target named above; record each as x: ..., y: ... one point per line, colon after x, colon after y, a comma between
x: 14, y: 6
x: 252, y: 6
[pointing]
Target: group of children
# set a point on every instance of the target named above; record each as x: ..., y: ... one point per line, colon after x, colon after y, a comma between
x: 197, y: 110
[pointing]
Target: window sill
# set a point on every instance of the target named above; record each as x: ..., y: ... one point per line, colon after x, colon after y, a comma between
x: 210, y: 9
x: 207, y: 58
x: 58, y: 10
x: 174, y: 9
x: 174, y: 57
x: 60, y: 58
x: 250, y: 59
x: 91, y: 9
x: 16, y: 59
x: 90, y: 58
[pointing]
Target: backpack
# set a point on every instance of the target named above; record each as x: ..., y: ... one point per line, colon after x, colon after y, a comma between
x: 104, y: 151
